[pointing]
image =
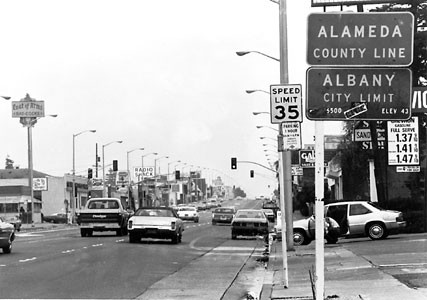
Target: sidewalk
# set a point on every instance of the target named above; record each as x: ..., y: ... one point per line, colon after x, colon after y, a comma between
x: 347, y: 277
x: 44, y: 226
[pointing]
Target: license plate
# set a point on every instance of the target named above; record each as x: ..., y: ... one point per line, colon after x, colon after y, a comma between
x: 151, y: 231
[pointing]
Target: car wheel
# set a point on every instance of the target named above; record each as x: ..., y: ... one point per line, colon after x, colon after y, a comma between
x: 196, y: 220
x: 175, y: 238
x: 89, y: 232
x: 83, y: 232
x: 133, y: 238
x: 233, y: 236
x: 180, y: 237
x: 213, y: 223
x: 300, y: 238
x: 376, y: 231
x: 7, y: 249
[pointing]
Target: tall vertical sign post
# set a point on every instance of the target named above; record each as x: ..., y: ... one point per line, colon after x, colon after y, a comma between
x: 338, y: 40
x: 28, y: 110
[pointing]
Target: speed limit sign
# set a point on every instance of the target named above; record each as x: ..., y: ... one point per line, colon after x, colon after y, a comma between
x: 286, y: 103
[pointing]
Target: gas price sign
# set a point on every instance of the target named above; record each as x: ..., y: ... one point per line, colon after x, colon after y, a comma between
x: 403, y: 140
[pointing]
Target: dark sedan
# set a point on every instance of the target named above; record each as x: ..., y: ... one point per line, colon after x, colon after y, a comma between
x: 249, y: 222
x: 223, y: 215
x: 56, y: 218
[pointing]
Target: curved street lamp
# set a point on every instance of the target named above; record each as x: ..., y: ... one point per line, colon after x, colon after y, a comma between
x: 256, y: 113
x: 176, y: 161
x: 73, y: 200
x: 259, y: 127
x: 253, y: 91
x: 155, y: 164
x: 103, y: 164
x: 127, y: 158
x: 242, y: 53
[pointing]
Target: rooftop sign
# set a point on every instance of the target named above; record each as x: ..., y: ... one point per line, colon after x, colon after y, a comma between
x: 360, y: 39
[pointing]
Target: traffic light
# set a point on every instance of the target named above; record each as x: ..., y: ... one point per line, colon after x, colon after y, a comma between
x: 115, y: 165
x: 252, y: 173
x: 89, y: 173
x: 177, y: 175
x: 233, y: 163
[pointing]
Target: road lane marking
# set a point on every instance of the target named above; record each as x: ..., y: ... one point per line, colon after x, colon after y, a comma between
x: 28, y: 259
x: 96, y: 245
x: 68, y: 251
x: 120, y: 241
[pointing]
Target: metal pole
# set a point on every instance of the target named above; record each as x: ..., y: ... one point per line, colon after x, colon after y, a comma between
x: 73, y: 191
x: 319, y: 210
x: 103, y: 172
x: 30, y: 169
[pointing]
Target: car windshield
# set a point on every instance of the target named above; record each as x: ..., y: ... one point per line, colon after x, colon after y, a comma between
x: 268, y: 211
x: 154, y: 212
x: 224, y: 210
x: 186, y: 209
x: 103, y: 204
x: 250, y: 214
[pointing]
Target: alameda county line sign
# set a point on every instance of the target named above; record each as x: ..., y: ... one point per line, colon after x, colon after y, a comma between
x: 360, y: 39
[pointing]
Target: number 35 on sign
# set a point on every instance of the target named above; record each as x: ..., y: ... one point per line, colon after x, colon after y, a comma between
x: 285, y: 103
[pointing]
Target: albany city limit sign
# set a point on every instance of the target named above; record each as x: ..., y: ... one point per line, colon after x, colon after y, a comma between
x: 361, y: 42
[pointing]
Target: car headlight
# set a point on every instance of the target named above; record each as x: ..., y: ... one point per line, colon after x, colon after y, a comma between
x: 173, y: 225
x: 130, y: 224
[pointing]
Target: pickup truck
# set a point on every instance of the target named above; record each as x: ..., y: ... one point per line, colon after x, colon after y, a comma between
x: 103, y: 214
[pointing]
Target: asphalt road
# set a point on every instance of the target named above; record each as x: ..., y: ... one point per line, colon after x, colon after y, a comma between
x: 61, y: 264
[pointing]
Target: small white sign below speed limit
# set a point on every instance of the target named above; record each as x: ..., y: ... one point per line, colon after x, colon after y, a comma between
x: 285, y: 103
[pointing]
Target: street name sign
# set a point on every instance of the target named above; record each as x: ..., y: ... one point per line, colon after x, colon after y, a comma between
x: 360, y: 39
x: 403, y: 142
x: 333, y: 91
x: 286, y: 103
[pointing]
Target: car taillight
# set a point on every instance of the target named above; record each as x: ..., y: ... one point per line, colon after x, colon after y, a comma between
x: 173, y: 224
x: 130, y: 224
x: 399, y: 218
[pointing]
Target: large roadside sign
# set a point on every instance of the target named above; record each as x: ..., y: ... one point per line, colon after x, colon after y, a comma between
x: 360, y: 39
x: 403, y: 142
x: 142, y: 172
x: 27, y: 109
x: 286, y: 103
x: 333, y: 92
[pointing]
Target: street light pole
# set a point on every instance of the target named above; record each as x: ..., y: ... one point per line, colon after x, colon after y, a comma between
x: 103, y: 166
x: 127, y: 158
x: 73, y: 198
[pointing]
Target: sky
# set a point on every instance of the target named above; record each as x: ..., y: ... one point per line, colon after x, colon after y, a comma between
x: 161, y: 75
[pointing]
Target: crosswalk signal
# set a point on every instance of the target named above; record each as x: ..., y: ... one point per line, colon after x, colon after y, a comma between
x: 89, y: 173
x: 252, y: 173
x: 177, y: 175
x: 233, y: 163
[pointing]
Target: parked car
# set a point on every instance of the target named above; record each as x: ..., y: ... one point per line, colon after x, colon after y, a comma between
x: 269, y: 214
x: 55, y: 218
x: 7, y: 235
x: 188, y: 213
x: 271, y: 205
x: 16, y: 222
x: 304, y: 230
x: 364, y: 218
x: 249, y: 222
x: 155, y: 222
x: 223, y: 215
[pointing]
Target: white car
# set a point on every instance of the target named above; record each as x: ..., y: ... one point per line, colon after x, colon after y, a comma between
x: 7, y: 235
x: 363, y: 218
x: 157, y: 223
x: 188, y: 213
